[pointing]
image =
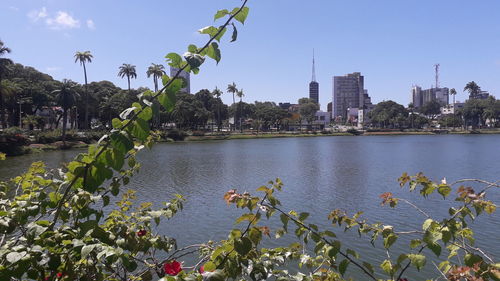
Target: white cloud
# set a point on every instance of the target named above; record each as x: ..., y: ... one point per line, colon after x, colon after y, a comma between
x: 35, y: 15
x: 90, y: 24
x: 63, y: 20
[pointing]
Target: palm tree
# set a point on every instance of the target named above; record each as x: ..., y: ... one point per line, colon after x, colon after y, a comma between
x: 218, y: 93
x: 231, y: 88
x: 4, y: 62
x: 473, y: 89
x: 84, y: 57
x: 240, y: 95
x: 66, y: 97
x: 157, y: 70
x: 129, y: 71
x: 453, y: 92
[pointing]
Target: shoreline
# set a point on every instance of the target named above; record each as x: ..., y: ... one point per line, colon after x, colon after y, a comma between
x: 38, y: 148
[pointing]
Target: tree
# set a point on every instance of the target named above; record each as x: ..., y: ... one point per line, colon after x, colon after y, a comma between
x: 473, y: 89
x: 129, y: 71
x: 84, y: 57
x: 4, y: 62
x: 388, y: 113
x: 231, y: 88
x: 308, y: 109
x: 66, y: 97
x: 240, y: 95
x: 157, y: 71
x: 453, y: 92
x: 217, y: 94
x: 431, y: 108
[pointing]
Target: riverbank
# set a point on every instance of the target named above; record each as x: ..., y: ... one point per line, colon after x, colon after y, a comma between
x: 58, y: 145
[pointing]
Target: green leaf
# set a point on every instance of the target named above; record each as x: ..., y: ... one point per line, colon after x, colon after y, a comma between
x: 129, y: 264
x: 426, y: 224
x: 221, y: 33
x: 214, y: 52
x: 369, y: 267
x: 174, y: 60
x: 194, y: 60
x: 417, y: 260
x: 303, y: 216
x: 140, y: 129
x: 352, y: 253
x: 146, y: 114
x: 243, y: 245
x: 415, y: 243
x: 235, y: 34
x: 389, y: 240
x: 121, y: 142
x: 220, y: 14
x: 471, y: 259
x: 167, y: 101
x: 209, y: 266
x: 444, y: 190
x: 435, y: 248
x: 386, y: 266
x: 216, y: 275
x: 343, y: 266
x: 210, y: 30
x: 242, y: 15
x: 284, y: 219
x: 117, y: 123
x: 86, y: 250
x: 13, y: 257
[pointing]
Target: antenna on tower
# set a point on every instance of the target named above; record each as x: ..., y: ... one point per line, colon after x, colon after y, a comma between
x: 436, y: 67
x: 313, y: 70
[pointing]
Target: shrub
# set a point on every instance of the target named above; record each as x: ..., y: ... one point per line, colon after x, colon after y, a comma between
x: 176, y: 135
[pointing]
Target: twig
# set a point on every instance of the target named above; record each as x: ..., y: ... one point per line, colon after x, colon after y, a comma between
x: 414, y: 206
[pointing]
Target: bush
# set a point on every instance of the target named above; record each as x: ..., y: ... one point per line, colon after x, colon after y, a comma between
x: 198, y: 133
x: 353, y: 131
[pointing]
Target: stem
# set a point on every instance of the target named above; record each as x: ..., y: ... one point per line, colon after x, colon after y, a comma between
x: 345, y: 255
x: 177, y: 74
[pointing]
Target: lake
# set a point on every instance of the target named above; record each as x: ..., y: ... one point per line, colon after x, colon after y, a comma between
x: 320, y: 174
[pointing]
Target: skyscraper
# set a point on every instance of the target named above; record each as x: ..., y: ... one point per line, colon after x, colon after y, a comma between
x: 348, y: 93
x: 314, y: 86
x: 185, y: 76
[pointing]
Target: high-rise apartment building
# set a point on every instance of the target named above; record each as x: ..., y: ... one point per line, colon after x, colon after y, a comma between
x: 349, y: 94
x: 314, y: 86
x: 421, y: 97
x: 184, y: 75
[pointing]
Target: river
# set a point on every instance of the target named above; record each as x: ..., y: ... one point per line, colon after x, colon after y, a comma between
x: 319, y: 173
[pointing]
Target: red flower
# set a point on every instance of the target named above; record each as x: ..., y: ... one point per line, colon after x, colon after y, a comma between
x: 47, y: 278
x: 202, y: 269
x: 59, y: 275
x: 172, y: 268
x: 141, y: 232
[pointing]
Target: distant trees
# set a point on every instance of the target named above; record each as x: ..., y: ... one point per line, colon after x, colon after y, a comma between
x: 240, y: 95
x: 388, y: 114
x: 431, y: 109
x: 473, y: 89
x: 307, y: 109
x: 84, y: 57
x: 66, y: 97
x: 476, y: 112
x: 4, y: 62
x: 157, y: 71
x: 127, y: 70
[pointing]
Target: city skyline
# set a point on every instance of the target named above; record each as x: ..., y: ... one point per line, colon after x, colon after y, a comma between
x: 393, y: 57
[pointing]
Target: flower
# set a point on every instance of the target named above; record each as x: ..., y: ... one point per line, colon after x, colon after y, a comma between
x: 59, y: 275
x: 172, y: 268
x: 141, y: 232
x: 202, y: 269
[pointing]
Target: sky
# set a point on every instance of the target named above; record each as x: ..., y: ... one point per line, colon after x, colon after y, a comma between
x: 393, y: 43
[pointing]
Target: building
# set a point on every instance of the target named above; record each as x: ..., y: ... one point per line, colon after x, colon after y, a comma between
x: 420, y: 97
x: 314, y: 85
x: 452, y: 108
x: 350, y: 97
x: 184, y: 75
x: 322, y: 119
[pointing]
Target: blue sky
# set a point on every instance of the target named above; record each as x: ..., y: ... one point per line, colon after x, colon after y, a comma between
x: 393, y: 43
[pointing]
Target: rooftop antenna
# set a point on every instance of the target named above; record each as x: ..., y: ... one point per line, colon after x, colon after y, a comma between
x: 436, y: 67
x: 313, y: 70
